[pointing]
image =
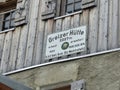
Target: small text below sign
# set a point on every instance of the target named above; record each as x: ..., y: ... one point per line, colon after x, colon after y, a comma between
x: 66, y: 42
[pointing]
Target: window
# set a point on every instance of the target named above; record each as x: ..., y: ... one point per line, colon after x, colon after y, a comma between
x: 56, y: 8
x: 7, y: 14
x: 73, y: 6
x: 8, y: 21
x: 70, y: 6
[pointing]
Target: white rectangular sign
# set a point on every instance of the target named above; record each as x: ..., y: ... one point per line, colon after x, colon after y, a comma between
x: 66, y: 42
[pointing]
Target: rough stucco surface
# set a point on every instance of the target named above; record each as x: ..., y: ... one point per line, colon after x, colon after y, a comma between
x: 100, y: 73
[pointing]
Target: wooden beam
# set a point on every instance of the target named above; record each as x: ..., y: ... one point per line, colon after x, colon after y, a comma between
x: 8, y: 5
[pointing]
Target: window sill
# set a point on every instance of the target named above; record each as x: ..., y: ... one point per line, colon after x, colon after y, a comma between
x: 60, y: 17
x: 7, y: 30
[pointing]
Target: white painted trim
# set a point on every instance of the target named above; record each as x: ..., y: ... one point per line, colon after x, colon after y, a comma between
x: 68, y: 15
x: 8, y: 11
x: 7, y: 30
x: 63, y: 60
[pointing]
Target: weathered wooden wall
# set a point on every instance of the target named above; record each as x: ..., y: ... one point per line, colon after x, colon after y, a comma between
x: 25, y: 46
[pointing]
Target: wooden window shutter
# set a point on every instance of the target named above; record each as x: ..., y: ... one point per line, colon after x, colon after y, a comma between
x: 22, y: 12
x: 50, y: 9
x: 88, y: 3
x: 1, y: 21
x: 78, y: 85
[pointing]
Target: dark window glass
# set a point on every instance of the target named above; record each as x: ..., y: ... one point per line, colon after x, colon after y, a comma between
x: 73, y: 6
x: 70, y: 1
x: 77, y: 6
x: 9, y: 20
x: 6, y: 24
x: 7, y: 16
x: 12, y: 24
x: 13, y: 15
x: 70, y: 8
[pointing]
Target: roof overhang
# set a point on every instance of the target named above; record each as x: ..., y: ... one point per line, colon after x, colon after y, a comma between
x: 7, y: 4
x: 12, y: 84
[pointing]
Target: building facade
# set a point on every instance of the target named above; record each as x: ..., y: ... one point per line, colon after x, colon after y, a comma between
x: 30, y: 28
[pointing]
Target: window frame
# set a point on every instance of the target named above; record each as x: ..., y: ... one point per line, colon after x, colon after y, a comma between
x: 10, y: 20
x: 63, y: 7
x: 7, y: 9
x: 73, y: 5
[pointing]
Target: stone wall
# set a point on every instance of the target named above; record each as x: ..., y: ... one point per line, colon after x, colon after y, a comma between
x: 100, y: 72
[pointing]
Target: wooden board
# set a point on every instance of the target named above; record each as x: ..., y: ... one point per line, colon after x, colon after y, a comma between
x: 93, y: 29
x: 65, y: 26
x: 119, y: 24
x: 113, y: 24
x: 14, y: 49
x: 31, y: 33
x: 58, y: 26
x: 66, y: 23
x: 6, y: 52
x: 84, y: 21
x: 22, y: 47
x: 48, y: 30
x: 75, y: 22
x: 37, y: 58
x: 58, y: 10
x: 2, y: 37
x: 103, y: 25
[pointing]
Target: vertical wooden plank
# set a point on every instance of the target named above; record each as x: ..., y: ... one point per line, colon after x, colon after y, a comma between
x: 2, y: 37
x: 39, y: 44
x: 66, y: 23
x: 113, y: 24
x: 119, y: 24
x: 39, y: 38
x: 58, y: 28
x: 103, y: 25
x: 58, y: 7
x: 84, y: 21
x: 65, y: 26
x: 1, y: 22
x: 14, y: 49
x: 22, y: 47
x: 6, y: 52
x: 93, y: 29
x: 58, y: 25
x: 72, y: 22
x: 110, y: 23
x: 48, y: 30
x: 31, y: 34
x: 75, y: 22
x: 23, y: 42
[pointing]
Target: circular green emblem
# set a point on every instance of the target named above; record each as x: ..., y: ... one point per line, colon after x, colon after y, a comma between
x: 65, y: 45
